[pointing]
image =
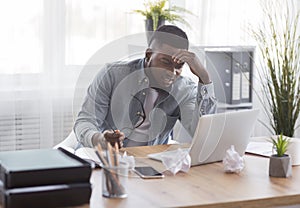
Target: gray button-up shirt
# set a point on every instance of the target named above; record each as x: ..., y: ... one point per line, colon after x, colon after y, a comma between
x: 111, y: 103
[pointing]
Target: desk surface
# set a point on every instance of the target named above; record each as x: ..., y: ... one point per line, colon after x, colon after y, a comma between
x: 203, y: 186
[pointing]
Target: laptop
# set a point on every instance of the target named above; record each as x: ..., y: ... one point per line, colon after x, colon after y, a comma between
x: 214, y: 135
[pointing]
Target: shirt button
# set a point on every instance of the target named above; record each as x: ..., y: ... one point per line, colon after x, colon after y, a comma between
x: 145, y: 80
x: 138, y: 113
x: 144, y: 93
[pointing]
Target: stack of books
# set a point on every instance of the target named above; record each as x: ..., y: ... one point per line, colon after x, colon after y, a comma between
x: 43, y: 178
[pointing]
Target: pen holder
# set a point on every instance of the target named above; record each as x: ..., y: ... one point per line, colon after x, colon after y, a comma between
x: 114, y: 181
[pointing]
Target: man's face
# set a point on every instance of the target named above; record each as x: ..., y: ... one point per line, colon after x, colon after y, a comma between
x: 163, y: 69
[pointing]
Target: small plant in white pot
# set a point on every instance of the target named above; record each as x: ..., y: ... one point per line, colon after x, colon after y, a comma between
x: 280, y: 163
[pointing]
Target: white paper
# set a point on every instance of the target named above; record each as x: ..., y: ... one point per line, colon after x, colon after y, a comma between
x: 236, y: 86
x: 294, y: 150
x: 260, y: 148
x: 233, y: 162
x: 245, y: 85
x: 179, y: 161
x: 87, y: 153
x: 127, y: 159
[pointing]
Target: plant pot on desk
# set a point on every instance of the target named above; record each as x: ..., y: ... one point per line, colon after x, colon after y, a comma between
x: 280, y: 166
x: 293, y: 149
x: 149, y: 27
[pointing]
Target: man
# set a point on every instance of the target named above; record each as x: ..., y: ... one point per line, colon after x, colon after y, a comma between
x: 144, y: 98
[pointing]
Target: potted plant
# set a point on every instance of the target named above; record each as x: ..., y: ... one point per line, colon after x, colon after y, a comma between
x: 158, y: 11
x: 278, y: 42
x: 280, y: 163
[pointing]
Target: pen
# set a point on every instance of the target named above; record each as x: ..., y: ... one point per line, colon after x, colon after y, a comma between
x: 108, y: 124
x: 110, y: 158
x: 116, y: 154
x: 100, y: 155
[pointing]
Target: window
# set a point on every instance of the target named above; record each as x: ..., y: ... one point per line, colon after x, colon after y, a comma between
x: 91, y: 24
x: 44, y: 45
x: 21, y: 36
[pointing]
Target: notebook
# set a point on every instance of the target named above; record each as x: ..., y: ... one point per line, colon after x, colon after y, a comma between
x: 42, y: 167
x: 48, y: 196
x: 214, y: 135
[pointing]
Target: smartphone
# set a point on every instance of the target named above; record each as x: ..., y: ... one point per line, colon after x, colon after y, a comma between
x: 148, y: 172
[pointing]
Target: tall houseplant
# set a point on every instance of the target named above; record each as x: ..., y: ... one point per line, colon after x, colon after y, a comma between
x: 279, y: 45
x: 158, y: 11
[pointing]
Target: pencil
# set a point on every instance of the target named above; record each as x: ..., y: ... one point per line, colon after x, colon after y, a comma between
x: 111, y: 161
x: 100, y: 155
x: 116, y: 154
x: 108, y: 124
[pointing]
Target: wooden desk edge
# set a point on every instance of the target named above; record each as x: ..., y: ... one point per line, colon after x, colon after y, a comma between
x: 263, y: 202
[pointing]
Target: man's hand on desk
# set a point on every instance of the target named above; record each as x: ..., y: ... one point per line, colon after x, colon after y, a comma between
x: 109, y: 136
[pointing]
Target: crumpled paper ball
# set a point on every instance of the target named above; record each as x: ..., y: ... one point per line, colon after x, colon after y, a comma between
x: 127, y: 159
x: 233, y: 162
x: 179, y: 161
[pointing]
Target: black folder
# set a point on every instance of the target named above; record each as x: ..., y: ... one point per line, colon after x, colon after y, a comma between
x: 63, y: 195
x: 38, y: 167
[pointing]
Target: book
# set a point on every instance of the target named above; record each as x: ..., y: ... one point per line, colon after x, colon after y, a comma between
x: 50, y: 196
x: 86, y: 153
x: 260, y: 148
x: 37, y: 167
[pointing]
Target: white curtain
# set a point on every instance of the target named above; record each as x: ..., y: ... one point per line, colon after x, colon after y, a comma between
x: 44, y: 46
x: 222, y: 23
x: 227, y: 23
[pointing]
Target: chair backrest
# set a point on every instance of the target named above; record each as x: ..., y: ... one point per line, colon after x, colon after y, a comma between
x: 69, y: 142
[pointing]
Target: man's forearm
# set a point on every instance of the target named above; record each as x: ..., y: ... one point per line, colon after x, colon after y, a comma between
x: 84, y: 132
x: 98, y: 138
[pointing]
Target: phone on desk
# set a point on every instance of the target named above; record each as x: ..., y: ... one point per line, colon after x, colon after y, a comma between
x: 148, y: 172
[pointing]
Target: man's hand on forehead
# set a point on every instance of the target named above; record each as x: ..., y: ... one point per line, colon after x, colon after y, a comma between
x: 182, y: 56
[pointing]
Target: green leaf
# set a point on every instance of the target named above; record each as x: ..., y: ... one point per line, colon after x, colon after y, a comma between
x: 279, y: 48
x: 280, y: 144
x: 157, y: 9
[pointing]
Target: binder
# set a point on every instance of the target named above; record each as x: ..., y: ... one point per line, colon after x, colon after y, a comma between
x: 62, y: 195
x: 38, y: 167
x: 231, y: 71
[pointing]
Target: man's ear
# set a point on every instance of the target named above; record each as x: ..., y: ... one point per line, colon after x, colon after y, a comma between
x: 148, y: 54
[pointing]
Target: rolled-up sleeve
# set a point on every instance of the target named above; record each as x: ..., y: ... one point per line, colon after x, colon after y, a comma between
x: 94, y: 108
x: 200, y: 100
x: 206, y: 99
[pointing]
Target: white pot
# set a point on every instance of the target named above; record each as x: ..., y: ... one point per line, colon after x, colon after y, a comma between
x: 294, y: 150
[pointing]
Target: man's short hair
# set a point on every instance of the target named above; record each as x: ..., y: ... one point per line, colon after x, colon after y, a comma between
x: 170, y: 35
